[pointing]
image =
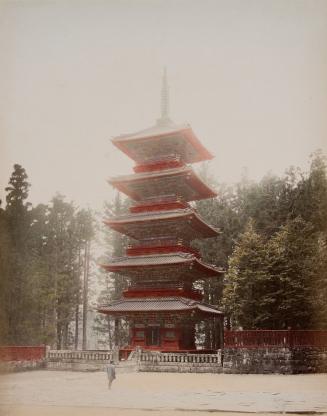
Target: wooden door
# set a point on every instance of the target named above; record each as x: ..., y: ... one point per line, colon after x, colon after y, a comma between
x: 153, y: 336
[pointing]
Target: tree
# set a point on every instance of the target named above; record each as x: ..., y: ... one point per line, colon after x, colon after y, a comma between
x: 40, y: 284
x: 245, y: 296
x: 319, y: 294
x: 292, y: 266
x: 85, y: 234
x: 62, y: 260
x: 5, y: 250
x: 17, y: 219
x: 310, y: 199
x: 113, y: 331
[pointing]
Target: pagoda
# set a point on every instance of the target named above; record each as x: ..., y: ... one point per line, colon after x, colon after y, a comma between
x: 161, y: 303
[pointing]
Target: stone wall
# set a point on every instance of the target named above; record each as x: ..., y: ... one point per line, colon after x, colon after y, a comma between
x: 309, y: 360
x: 275, y: 360
x: 179, y: 362
x: 82, y: 365
x: 180, y: 367
x: 257, y: 360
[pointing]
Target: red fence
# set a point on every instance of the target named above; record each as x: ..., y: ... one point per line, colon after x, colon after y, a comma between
x: 272, y: 338
x: 13, y: 353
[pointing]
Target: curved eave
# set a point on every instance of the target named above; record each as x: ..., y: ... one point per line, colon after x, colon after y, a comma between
x: 125, y: 307
x: 121, y: 224
x: 149, y: 262
x: 154, y: 135
x: 122, y: 183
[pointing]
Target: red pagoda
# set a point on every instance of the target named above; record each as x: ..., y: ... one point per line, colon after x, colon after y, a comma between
x: 161, y: 304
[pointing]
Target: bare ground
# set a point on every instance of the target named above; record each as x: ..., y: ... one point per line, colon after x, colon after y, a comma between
x: 50, y: 393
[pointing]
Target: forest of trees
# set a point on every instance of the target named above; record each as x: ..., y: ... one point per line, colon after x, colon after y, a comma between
x: 44, y: 251
x: 272, y: 246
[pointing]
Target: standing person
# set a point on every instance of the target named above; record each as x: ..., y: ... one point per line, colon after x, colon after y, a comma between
x: 111, y: 373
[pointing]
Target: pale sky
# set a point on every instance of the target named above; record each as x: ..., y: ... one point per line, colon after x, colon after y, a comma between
x: 250, y: 76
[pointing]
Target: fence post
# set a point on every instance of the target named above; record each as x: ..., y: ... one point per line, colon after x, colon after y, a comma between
x: 46, y: 351
x: 115, y: 355
x: 291, y: 338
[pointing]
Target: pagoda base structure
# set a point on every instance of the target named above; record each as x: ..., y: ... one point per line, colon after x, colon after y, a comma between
x: 166, y: 323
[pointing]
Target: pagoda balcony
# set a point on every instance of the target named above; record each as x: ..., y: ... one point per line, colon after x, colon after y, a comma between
x: 159, y: 163
x: 157, y: 282
x: 158, y: 248
x: 163, y: 292
x: 168, y: 203
x: 182, y: 181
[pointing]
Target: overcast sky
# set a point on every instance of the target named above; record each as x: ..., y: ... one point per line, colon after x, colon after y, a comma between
x: 250, y: 76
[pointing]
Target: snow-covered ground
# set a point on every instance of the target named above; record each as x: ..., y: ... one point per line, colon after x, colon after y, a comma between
x: 161, y: 392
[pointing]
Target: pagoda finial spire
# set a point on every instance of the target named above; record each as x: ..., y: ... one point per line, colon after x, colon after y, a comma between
x: 164, y: 119
x: 164, y: 96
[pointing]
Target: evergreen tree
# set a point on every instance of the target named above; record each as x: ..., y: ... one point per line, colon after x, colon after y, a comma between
x: 310, y: 199
x: 84, y: 235
x: 61, y: 259
x: 17, y: 218
x: 245, y: 296
x: 5, y: 251
x: 319, y: 294
x: 292, y: 266
x: 113, y: 332
x: 40, y: 284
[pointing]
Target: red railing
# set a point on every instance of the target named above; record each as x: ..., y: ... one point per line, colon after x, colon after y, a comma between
x: 275, y: 338
x: 160, y: 292
x: 159, y: 165
x: 25, y: 353
x: 140, y: 251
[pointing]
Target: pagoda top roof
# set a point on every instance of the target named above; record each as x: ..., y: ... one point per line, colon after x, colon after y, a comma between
x: 155, y: 130
x: 184, y: 223
x: 164, y: 304
x: 182, y: 181
x: 162, y: 140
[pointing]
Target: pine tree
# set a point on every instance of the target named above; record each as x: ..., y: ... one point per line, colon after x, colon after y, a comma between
x: 292, y: 265
x: 245, y: 296
x: 61, y: 259
x: 18, y: 226
x: 310, y: 198
x: 319, y: 294
x: 5, y: 250
x: 114, y: 332
x: 84, y: 234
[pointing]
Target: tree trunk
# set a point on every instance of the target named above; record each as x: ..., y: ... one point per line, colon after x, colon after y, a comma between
x: 85, y: 290
x: 76, y: 325
x: 109, y: 333
x: 77, y: 301
x: 116, y: 334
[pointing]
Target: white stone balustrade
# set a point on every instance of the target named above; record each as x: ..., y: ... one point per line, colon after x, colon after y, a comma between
x: 167, y: 357
x: 54, y: 355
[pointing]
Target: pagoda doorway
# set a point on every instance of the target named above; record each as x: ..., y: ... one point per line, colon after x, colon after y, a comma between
x: 153, y: 336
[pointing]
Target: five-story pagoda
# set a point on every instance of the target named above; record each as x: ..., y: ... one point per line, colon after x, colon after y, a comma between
x: 161, y: 304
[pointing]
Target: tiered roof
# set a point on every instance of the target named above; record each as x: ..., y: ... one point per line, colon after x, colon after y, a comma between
x: 177, y: 265
x: 183, y: 223
x: 135, y: 306
x: 163, y: 140
x: 162, y: 186
x: 183, y: 181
